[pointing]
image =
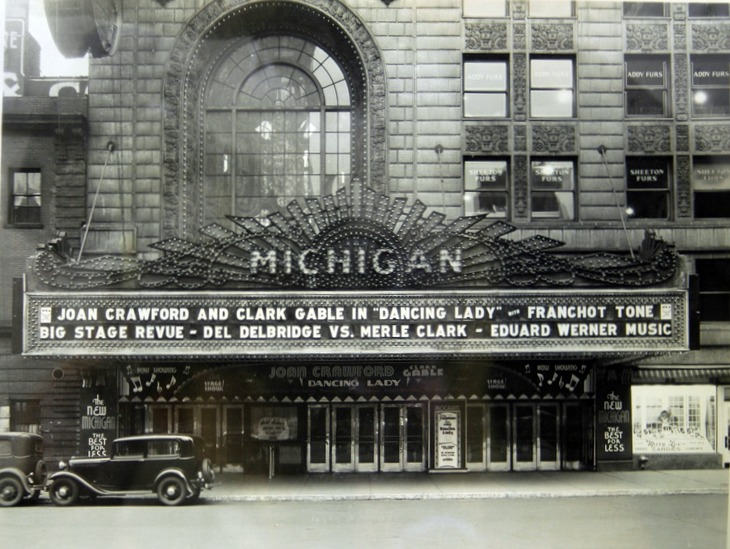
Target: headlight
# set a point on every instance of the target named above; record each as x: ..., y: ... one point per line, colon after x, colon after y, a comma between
x: 62, y: 465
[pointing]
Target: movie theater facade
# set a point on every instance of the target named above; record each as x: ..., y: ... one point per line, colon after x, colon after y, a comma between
x: 377, y: 339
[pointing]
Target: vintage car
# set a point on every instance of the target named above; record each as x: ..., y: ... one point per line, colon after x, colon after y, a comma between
x: 173, y: 467
x: 22, y: 469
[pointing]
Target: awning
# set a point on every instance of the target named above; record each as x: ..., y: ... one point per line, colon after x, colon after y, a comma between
x: 652, y: 376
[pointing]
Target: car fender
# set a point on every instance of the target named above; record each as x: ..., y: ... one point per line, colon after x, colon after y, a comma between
x: 18, y: 474
x: 175, y: 472
x: 80, y: 480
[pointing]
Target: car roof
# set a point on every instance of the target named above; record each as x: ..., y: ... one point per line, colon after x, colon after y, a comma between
x: 21, y: 434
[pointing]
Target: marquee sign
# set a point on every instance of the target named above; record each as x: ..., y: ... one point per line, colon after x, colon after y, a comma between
x: 253, y: 324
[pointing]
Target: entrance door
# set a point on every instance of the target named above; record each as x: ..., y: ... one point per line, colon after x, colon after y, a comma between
x: 724, y: 426
x: 200, y: 420
x: 318, y: 441
x: 354, y: 432
x: 232, y: 436
x: 476, y: 437
x: 536, y: 437
x: 367, y: 439
x: 402, y: 442
x: 343, y: 458
x: 498, y: 442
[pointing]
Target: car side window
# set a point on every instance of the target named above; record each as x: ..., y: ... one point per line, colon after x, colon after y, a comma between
x: 163, y: 448
x: 6, y: 448
x: 130, y: 449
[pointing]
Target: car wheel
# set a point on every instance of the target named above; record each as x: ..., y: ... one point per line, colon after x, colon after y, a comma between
x: 208, y: 471
x: 64, y: 491
x: 11, y: 491
x: 171, y: 491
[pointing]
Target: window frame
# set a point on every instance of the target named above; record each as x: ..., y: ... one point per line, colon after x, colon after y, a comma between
x: 648, y: 87
x: 712, y: 291
x: 708, y: 6
x: 473, y: 191
x: 643, y: 9
x: 722, y: 91
x: 13, y: 217
x: 25, y: 415
x: 548, y: 14
x: 478, y: 91
x: 538, y: 87
x: 651, y: 163
x: 467, y: 5
x: 545, y: 215
x: 713, y: 196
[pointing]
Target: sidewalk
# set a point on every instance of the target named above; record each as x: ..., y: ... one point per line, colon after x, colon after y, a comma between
x: 403, y: 486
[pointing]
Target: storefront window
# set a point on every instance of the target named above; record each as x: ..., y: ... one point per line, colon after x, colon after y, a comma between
x: 480, y: 8
x: 647, y: 79
x: 552, y: 189
x: 676, y: 419
x: 711, y: 186
x: 714, y: 276
x: 647, y: 187
x: 486, y: 84
x: 710, y: 85
x: 25, y: 415
x: 552, y: 87
x: 485, y: 188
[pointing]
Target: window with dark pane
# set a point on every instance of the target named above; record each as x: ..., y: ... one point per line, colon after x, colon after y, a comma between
x: 648, y: 183
x: 714, y: 281
x: 711, y: 186
x: 25, y: 203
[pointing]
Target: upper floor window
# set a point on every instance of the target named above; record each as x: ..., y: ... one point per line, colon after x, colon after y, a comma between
x: 710, y: 85
x: 647, y: 85
x: 714, y: 277
x: 480, y: 8
x: 708, y: 9
x: 486, y: 85
x: 25, y: 199
x: 486, y: 184
x: 278, y: 126
x: 711, y: 186
x: 552, y: 188
x: 645, y: 9
x: 552, y: 87
x: 647, y: 187
x: 551, y: 8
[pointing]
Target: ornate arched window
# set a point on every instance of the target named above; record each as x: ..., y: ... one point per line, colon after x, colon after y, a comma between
x: 277, y: 127
x: 269, y: 102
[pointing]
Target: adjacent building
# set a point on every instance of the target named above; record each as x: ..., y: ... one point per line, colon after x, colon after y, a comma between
x: 374, y: 236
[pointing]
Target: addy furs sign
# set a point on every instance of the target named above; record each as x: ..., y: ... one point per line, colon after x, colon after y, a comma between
x: 459, y: 322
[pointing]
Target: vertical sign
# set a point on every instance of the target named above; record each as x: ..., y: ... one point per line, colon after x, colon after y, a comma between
x: 13, y: 52
x: 98, y: 415
x: 613, y: 425
x: 448, y: 437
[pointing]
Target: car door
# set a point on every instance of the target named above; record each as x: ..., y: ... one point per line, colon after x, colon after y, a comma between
x: 121, y: 472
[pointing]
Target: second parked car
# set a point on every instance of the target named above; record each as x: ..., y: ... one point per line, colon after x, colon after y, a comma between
x: 173, y: 467
x: 22, y: 469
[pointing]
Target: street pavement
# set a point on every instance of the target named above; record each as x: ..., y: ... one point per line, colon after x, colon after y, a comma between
x: 402, y: 486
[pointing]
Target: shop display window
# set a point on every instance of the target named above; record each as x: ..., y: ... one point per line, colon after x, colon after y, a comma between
x: 486, y: 88
x: 25, y: 200
x: 648, y: 180
x: 25, y: 415
x: 711, y: 186
x: 675, y: 419
x: 486, y: 184
x: 714, y: 281
x: 552, y: 189
x: 552, y: 87
x: 551, y: 8
x: 647, y: 85
x: 480, y: 8
x: 710, y: 85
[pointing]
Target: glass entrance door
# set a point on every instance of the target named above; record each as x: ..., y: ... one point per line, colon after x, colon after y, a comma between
x: 524, y: 455
x: 318, y: 441
x: 343, y: 459
x: 402, y: 443
x: 232, y: 436
x: 354, y: 433
x: 536, y: 436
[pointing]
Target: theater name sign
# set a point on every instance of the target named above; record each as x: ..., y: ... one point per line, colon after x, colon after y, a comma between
x: 356, y: 274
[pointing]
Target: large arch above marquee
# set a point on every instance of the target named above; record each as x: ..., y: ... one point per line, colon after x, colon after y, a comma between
x: 208, y: 34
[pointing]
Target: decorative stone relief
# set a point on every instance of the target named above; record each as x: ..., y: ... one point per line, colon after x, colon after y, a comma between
x: 520, y: 186
x: 485, y: 36
x: 552, y: 37
x: 681, y: 87
x: 680, y: 36
x: 708, y: 38
x: 487, y: 139
x: 649, y: 139
x: 519, y: 36
x: 714, y: 138
x: 519, y: 9
x: 553, y: 139
x: 519, y: 86
x: 684, y: 188
x: 647, y: 37
x: 520, y: 138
